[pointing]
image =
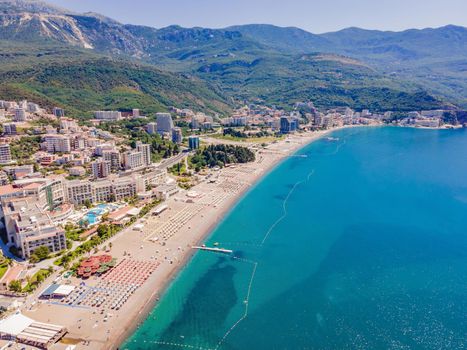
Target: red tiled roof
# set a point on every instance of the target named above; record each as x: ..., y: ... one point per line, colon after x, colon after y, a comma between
x: 120, y: 213
x: 88, y: 233
x: 90, y: 266
x: 8, y: 189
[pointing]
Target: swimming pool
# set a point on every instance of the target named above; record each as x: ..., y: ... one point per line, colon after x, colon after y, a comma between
x: 93, y: 215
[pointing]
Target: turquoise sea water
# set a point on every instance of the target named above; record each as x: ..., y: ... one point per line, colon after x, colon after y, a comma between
x: 360, y: 245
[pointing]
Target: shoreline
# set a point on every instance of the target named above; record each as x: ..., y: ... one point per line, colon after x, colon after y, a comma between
x: 149, y: 306
x: 165, y: 240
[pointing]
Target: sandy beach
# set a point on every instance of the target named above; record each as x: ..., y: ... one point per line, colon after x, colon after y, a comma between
x: 158, y: 251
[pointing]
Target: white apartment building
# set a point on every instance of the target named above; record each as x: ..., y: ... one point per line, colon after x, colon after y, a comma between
x: 20, y: 115
x: 112, y: 156
x: 68, y: 124
x: 79, y: 143
x: 108, y: 115
x: 58, y: 112
x: 151, y: 128
x: 164, y: 123
x: 133, y: 160
x: 5, y: 154
x: 145, y: 149
x: 177, y: 135
x: 19, y: 170
x: 101, y: 168
x: 57, y: 144
x: 9, y: 129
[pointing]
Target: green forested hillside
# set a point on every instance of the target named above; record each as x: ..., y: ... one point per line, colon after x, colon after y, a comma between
x: 82, y: 83
x: 87, y: 61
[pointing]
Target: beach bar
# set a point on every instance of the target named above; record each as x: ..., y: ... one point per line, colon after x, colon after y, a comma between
x: 57, y: 291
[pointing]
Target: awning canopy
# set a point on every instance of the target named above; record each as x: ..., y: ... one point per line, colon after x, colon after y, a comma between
x: 15, y: 324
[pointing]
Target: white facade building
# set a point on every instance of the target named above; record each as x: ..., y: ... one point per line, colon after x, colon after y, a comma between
x: 108, y: 115
x: 5, y: 154
x: 164, y: 123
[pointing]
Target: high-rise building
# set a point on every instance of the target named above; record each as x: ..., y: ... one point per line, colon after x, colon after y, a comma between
x: 151, y: 128
x: 133, y: 160
x: 57, y: 144
x: 101, y: 168
x: 164, y: 123
x: 9, y: 129
x: 193, y: 142
x: 79, y: 143
x: 145, y: 149
x: 113, y: 156
x: 177, y: 136
x: 5, y: 154
x: 20, y: 115
x: 194, y: 123
x: 288, y: 125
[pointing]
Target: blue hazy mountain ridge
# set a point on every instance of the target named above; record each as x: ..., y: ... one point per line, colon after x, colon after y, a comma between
x: 362, y: 244
x: 354, y: 67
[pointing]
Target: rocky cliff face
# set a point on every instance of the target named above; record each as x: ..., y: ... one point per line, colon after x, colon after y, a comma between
x: 39, y: 26
x: 23, y: 20
x: 36, y: 21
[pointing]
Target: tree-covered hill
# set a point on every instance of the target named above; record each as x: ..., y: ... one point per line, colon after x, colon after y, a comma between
x: 82, y: 83
x: 414, y: 69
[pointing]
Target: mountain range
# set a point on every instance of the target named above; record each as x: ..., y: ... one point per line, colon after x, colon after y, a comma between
x: 59, y: 55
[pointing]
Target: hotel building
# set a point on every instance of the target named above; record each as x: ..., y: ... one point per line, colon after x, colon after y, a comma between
x: 29, y: 227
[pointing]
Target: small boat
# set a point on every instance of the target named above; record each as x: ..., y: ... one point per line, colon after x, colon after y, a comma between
x: 332, y: 139
x: 216, y: 244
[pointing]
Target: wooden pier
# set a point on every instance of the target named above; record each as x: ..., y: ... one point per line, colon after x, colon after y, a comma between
x: 217, y: 250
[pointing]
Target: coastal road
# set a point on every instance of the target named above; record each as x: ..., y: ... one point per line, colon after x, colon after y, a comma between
x: 167, y: 163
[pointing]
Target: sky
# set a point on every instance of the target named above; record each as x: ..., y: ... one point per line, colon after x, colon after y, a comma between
x: 317, y: 16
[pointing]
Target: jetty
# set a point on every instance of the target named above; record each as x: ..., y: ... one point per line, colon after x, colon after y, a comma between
x: 217, y: 250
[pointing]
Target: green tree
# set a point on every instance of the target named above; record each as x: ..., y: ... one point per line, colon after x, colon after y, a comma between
x: 103, y: 231
x: 15, y: 286
x: 41, y: 253
x: 40, y: 278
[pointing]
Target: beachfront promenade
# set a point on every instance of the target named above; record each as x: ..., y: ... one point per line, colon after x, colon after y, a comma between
x: 104, y: 311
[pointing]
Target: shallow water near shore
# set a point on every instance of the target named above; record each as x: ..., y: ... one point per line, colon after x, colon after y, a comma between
x: 362, y: 244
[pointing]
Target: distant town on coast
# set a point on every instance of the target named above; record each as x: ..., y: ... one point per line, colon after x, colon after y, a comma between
x: 175, y: 187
